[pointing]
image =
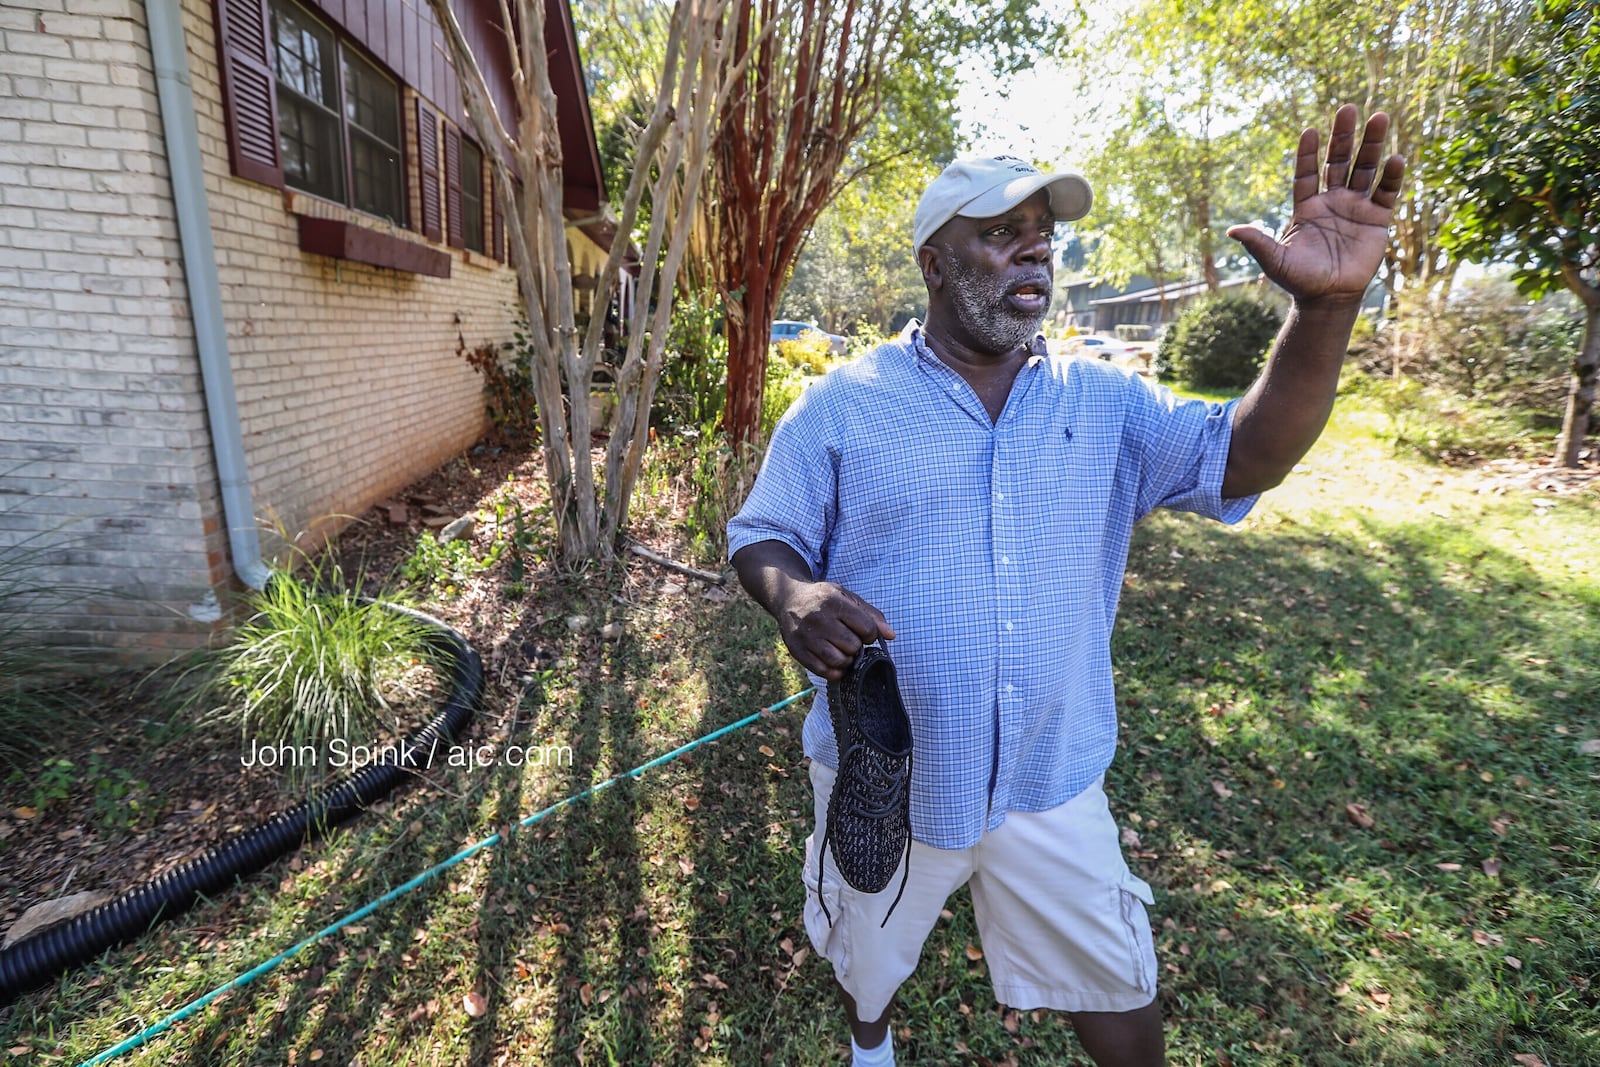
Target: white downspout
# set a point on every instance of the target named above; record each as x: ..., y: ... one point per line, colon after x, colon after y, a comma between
x: 170, y: 55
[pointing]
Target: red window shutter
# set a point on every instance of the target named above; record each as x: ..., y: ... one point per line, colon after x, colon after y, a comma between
x: 452, y: 184
x: 497, y: 247
x: 428, y: 155
x: 249, y: 90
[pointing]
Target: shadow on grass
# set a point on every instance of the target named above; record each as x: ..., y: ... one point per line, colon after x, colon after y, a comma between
x: 1279, y: 687
x: 1335, y: 736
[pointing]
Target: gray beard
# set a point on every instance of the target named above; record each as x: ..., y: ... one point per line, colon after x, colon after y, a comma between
x: 981, y: 308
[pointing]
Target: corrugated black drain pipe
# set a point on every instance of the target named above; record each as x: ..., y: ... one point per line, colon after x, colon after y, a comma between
x: 36, y: 960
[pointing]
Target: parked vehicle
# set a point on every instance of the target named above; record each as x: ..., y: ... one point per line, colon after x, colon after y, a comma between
x: 1100, y: 347
x: 1110, y: 349
x: 790, y: 330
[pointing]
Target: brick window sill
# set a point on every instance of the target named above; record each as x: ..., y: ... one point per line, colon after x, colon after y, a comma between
x: 347, y: 240
x: 480, y: 259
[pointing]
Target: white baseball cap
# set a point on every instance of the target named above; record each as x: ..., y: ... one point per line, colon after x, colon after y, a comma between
x: 981, y: 186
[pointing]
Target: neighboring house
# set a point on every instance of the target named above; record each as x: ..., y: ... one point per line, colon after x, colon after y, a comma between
x: 1154, y: 306
x: 1073, y: 299
x: 241, y: 245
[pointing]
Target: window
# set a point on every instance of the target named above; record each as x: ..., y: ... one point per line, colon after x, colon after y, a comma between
x: 338, y: 117
x: 472, y: 195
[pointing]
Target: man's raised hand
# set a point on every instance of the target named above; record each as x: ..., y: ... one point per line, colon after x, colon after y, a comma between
x: 1337, y: 235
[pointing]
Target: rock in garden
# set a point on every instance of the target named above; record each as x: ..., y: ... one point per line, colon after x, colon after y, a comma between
x: 671, y: 589
x: 460, y: 529
x: 611, y: 631
x: 577, y: 622
x: 52, y: 912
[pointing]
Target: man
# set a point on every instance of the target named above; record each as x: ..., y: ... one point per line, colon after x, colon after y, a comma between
x: 970, y: 499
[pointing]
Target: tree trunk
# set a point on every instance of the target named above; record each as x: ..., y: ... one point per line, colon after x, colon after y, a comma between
x: 748, y: 338
x: 1580, y: 400
x: 1208, y: 254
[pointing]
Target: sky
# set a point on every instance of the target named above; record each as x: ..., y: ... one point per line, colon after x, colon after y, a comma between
x: 1043, y: 113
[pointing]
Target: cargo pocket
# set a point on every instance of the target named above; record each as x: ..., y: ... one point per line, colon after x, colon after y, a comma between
x: 827, y: 939
x: 1135, y: 896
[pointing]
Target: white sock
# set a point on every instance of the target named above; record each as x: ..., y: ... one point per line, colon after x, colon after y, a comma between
x: 882, y: 1056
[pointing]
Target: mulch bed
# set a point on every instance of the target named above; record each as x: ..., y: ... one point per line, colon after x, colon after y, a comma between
x: 194, y: 793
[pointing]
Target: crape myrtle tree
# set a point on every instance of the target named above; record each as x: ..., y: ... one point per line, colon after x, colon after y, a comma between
x: 673, y: 151
x: 817, y: 75
x: 1527, y: 162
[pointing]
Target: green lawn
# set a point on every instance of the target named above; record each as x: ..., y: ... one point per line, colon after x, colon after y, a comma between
x: 1351, y: 757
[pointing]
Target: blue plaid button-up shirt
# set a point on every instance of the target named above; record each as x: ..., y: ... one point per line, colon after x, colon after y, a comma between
x: 995, y: 550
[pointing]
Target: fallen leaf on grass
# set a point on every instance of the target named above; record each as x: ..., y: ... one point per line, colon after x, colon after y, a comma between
x: 1358, y: 816
x: 1448, y: 867
x: 1491, y: 867
x: 1500, y: 826
x: 1528, y: 1059
x: 1221, y: 789
x: 974, y: 953
x: 1590, y: 747
x: 1130, y: 837
x: 586, y: 994
x: 1479, y: 937
x: 713, y: 982
x: 768, y: 751
x: 1514, y: 963
x: 692, y: 803
x: 475, y: 1005
x: 1378, y: 997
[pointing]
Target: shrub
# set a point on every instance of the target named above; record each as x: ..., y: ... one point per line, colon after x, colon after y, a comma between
x: 809, y: 353
x: 722, y: 479
x: 311, y: 664
x: 694, y: 378
x: 782, y: 388
x: 864, y: 338
x: 1484, y: 340
x: 507, y: 389
x: 1218, y: 343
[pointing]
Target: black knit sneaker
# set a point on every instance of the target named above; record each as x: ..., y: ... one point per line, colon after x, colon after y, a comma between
x: 869, y: 813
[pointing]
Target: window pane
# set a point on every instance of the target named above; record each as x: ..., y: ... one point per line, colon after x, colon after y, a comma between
x: 472, y: 195
x: 304, y: 54
x: 372, y: 108
x: 375, y: 171
x: 372, y: 101
x: 308, y: 137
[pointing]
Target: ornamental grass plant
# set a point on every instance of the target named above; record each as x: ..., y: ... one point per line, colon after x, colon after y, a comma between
x: 315, y: 664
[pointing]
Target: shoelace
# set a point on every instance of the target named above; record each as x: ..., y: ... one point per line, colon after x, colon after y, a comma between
x: 893, y: 792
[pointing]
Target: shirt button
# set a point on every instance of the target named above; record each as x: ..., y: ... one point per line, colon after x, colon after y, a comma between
x: 999, y: 495
x: 1011, y: 688
x: 1006, y: 560
x: 1008, y: 627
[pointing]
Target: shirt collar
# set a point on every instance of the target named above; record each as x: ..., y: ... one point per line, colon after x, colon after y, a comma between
x: 912, y: 336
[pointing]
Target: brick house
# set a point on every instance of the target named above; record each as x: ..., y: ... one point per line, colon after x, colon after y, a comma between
x: 242, y: 243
